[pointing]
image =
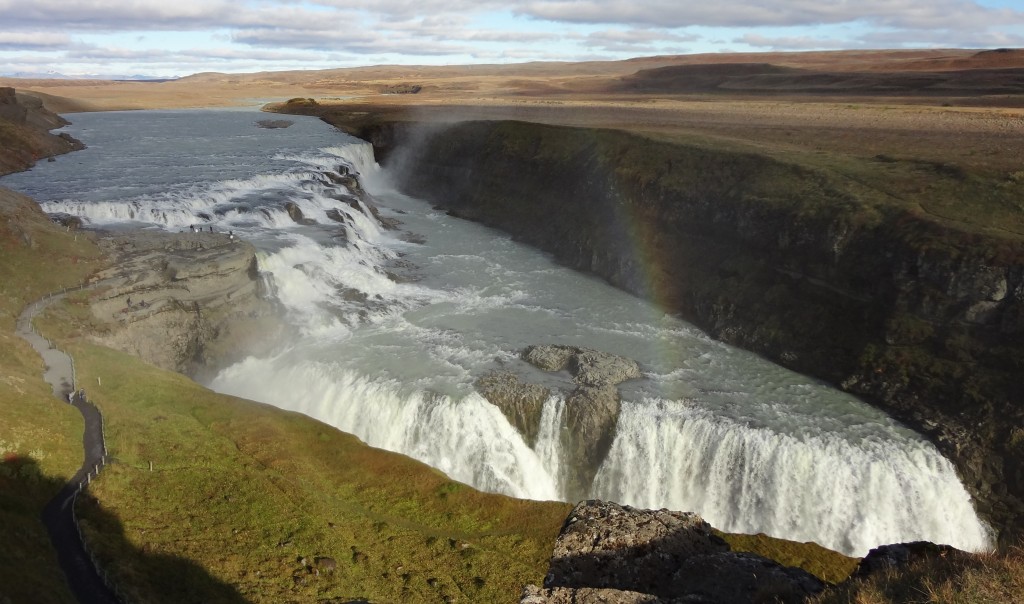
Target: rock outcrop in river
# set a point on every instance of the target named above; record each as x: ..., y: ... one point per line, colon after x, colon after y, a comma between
x: 188, y: 302
x: 917, y: 316
x: 591, y: 407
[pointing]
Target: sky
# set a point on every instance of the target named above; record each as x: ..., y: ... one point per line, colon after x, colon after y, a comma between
x: 168, y: 38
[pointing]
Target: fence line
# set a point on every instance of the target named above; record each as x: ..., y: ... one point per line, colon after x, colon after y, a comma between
x: 83, y: 483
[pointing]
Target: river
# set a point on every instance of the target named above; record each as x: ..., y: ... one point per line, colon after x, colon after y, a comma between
x: 392, y: 327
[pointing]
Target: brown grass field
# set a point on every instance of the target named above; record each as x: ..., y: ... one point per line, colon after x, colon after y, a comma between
x: 964, y: 108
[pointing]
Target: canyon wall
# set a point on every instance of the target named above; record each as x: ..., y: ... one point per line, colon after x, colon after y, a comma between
x: 25, y: 132
x: 821, y: 275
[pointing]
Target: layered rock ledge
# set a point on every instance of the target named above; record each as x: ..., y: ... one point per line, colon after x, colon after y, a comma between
x: 187, y: 302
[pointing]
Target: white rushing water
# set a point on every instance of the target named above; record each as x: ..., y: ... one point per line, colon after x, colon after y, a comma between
x: 394, y: 326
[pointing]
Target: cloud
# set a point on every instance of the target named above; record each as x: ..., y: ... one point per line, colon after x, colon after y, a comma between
x: 363, y: 42
x: 459, y: 28
x: 910, y: 14
x: 783, y: 43
x: 311, y: 33
x: 115, y: 15
x: 636, y: 40
x: 33, y: 40
x: 120, y: 15
x: 941, y: 39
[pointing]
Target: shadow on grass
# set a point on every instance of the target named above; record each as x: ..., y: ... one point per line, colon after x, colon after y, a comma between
x: 135, y: 574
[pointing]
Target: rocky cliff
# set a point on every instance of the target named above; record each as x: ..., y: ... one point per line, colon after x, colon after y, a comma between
x: 825, y: 275
x: 188, y: 302
x: 25, y: 132
x: 614, y: 554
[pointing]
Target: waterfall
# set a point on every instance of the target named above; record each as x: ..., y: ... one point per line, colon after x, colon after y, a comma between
x: 392, y: 330
x: 847, y: 496
x: 467, y: 439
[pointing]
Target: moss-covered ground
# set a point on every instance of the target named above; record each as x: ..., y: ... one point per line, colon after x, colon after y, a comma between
x: 953, y: 578
x: 40, y: 437
x: 245, y: 497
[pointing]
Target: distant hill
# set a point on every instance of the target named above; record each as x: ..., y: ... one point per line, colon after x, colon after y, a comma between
x: 55, y: 75
x: 763, y: 78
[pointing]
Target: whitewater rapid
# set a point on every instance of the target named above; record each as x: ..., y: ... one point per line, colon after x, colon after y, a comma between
x: 393, y: 327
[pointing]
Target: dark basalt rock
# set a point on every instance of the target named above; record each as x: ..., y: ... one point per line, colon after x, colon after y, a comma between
x: 295, y: 213
x: 521, y: 402
x: 69, y: 221
x: 611, y: 553
x: 24, y: 132
x: 588, y: 367
x: 591, y: 407
x: 274, y: 124
x: 337, y: 216
x: 591, y: 414
x: 899, y: 555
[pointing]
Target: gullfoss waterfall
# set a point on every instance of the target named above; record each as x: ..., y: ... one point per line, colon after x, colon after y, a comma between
x: 398, y: 309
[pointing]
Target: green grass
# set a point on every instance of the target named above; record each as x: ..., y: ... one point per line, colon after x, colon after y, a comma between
x: 825, y: 564
x: 954, y: 578
x: 240, y: 492
x: 40, y: 437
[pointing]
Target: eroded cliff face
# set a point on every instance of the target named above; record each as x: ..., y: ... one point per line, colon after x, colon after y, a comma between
x: 25, y: 132
x: 187, y: 302
x: 813, y: 271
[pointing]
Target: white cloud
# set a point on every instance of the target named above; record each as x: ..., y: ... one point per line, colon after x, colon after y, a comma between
x: 418, y: 31
x: 775, y: 13
x: 791, y: 43
x: 365, y: 42
x: 637, y: 40
x: 114, y: 15
x: 15, y: 40
x: 941, y: 39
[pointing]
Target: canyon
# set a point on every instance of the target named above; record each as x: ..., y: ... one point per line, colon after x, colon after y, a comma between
x: 810, y: 267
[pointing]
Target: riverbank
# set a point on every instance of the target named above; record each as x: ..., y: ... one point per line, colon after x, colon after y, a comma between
x: 836, y: 263
x: 25, y: 136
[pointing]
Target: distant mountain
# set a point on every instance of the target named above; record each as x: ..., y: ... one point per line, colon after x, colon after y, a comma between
x: 55, y: 75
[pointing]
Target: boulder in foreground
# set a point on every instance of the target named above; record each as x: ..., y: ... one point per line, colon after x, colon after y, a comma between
x: 616, y: 554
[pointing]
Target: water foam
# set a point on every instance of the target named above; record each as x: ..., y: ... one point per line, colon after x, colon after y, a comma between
x: 846, y: 496
x: 468, y: 439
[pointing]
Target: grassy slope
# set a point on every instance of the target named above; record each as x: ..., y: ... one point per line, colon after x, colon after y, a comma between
x: 40, y: 437
x: 246, y: 491
x: 955, y: 578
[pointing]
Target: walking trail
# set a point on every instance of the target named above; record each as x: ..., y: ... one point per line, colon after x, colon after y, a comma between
x: 59, y: 514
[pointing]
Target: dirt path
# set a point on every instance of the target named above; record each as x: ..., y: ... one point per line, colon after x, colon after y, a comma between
x: 59, y: 514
